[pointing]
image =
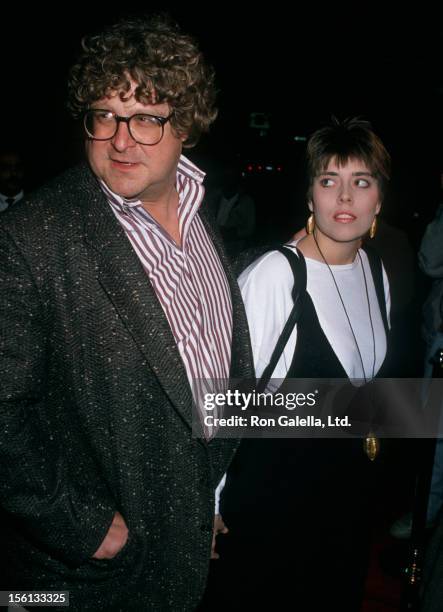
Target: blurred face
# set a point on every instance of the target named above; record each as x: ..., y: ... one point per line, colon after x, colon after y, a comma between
x: 345, y: 200
x: 130, y: 169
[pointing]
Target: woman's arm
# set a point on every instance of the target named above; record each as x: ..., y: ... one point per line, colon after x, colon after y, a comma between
x: 266, y: 287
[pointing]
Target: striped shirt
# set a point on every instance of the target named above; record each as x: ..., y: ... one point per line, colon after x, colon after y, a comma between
x: 189, y: 281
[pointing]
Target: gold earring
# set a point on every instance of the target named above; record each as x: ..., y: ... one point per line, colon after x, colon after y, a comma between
x: 310, y: 224
x: 373, y: 228
x: 371, y: 445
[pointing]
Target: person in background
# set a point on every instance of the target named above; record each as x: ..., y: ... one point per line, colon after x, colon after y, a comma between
x: 430, y: 258
x: 431, y: 262
x: 235, y: 212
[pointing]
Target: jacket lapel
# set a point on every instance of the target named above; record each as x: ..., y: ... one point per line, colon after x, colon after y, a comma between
x: 121, y: 274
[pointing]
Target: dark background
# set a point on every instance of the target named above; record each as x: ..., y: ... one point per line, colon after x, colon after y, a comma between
x: 298, y: 67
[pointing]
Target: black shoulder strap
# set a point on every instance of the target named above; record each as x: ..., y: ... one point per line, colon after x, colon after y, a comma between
x: 375, y: 264
x: 298, y: 266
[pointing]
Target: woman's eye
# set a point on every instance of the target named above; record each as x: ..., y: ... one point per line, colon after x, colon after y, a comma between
x: 362, y: 183
x: 326, y: 182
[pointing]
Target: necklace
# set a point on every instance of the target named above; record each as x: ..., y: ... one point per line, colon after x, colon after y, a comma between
x: 371, y: 443
x: 346, y: 312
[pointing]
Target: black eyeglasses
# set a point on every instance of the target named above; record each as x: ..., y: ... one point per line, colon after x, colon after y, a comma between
x: 102, y: 124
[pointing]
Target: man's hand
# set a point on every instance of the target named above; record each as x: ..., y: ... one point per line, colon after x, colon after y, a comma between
x: 219, y: 527
x: 114, y: 540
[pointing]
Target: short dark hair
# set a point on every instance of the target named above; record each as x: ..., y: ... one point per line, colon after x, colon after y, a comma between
x: 165, y: 63
x: 351, y: 138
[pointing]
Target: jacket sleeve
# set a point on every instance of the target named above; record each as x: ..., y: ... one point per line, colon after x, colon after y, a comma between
x: 65, y: 520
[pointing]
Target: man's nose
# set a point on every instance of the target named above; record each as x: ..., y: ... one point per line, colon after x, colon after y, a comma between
x: 122, y: 139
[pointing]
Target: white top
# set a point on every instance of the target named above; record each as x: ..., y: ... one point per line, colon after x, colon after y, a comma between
x: 266, y: 287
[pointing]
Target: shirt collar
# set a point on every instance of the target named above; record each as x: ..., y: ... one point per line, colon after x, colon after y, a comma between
x: 16, y: 197
x: 186, y: 171
x: 190, y: 170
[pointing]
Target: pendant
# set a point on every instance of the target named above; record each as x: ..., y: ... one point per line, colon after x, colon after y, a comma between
x: 371, y: 445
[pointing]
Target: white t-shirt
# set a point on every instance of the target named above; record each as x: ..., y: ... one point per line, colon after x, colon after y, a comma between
x: 266, y: 287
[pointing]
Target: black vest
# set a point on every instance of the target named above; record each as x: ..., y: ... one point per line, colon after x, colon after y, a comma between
x: 286, y: 478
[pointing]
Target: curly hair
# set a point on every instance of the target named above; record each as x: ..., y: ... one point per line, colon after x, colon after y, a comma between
x: 165, y: 64
x: 349, y: 139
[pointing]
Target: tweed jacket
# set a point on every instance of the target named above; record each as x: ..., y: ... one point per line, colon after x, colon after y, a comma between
x: 95, y: 412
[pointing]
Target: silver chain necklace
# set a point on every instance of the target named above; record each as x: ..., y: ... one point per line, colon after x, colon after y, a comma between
x: 346, y: 312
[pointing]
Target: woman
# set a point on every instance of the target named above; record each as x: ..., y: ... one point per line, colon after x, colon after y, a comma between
x: 299, y: 510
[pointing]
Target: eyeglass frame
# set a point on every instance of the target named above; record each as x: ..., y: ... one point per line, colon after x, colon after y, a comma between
x: 119, y: 119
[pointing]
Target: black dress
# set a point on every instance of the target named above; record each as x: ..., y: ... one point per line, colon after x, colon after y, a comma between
x: 298, y: 510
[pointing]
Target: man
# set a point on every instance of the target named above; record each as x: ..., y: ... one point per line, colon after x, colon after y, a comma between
x: 11, y: 178
x: 116, y: 294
